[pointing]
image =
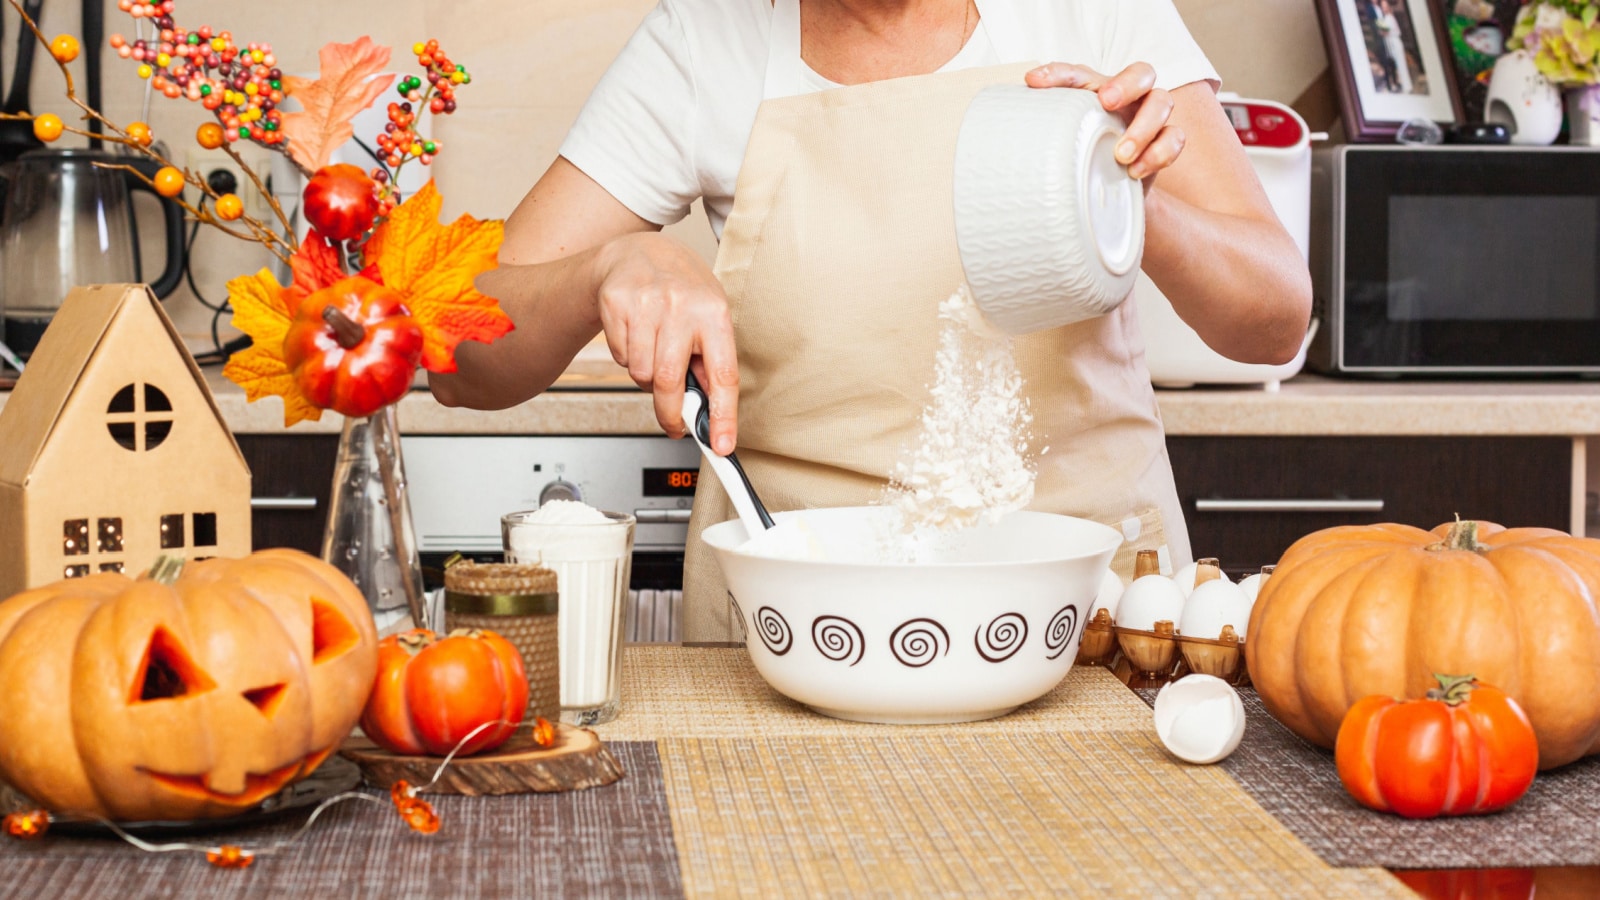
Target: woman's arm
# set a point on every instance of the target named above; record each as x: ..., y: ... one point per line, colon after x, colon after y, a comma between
x: 1213, y: 243
x: 576, y: 261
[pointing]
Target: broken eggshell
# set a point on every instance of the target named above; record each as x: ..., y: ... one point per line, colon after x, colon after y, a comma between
x: 1199, y: 719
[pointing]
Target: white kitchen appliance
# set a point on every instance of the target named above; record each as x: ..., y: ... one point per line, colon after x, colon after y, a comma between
x: 462, y: 484
x: 1278, y: 144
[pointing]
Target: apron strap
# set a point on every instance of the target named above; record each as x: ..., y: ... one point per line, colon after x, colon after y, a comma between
x: 996, y: 18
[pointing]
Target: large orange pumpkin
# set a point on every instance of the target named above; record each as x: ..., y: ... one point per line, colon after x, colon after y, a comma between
x: 181, y: 696
x: 1361, y: 610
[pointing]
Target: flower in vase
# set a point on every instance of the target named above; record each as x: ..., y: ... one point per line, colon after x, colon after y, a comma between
x: 1564, y: 38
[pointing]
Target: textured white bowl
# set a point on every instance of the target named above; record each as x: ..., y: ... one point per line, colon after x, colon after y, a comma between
x: 1049, y: 225
x: 952, y: 641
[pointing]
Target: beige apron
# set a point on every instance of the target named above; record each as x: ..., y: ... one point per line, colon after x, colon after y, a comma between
x: 839, y: 249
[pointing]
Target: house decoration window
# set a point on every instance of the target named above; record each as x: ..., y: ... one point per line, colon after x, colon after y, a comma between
x: 102, y: 554
x: 139, y: 417
x: 201, y: 533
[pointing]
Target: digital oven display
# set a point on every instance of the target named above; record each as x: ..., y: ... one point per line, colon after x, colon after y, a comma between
x: 670, y: 482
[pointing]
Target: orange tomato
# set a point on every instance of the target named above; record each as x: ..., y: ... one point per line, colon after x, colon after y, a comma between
x: 432, y: 692
x: 1466, y: 748
x: 168, y: 181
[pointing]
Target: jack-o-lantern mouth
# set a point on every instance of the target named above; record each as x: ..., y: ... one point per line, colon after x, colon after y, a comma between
x: 256, y: 787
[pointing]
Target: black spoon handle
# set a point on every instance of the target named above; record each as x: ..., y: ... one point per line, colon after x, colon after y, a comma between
x: 702, y: 431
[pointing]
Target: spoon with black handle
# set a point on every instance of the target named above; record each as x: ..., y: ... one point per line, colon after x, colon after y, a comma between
x: 697, y: 415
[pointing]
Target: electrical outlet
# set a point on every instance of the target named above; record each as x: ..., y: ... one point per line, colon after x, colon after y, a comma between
x: 204, y: 162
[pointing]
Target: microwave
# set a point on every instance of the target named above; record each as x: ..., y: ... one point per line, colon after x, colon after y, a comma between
x: 1456, y: 260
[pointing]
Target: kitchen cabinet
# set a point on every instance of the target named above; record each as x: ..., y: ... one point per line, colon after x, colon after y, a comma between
x: 1246, y: 499
x: 293, y: 480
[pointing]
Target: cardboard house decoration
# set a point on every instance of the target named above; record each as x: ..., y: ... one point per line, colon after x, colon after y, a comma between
x: 112, y: 450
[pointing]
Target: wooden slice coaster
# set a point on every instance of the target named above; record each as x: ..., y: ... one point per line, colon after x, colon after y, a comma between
x: 519, y: 766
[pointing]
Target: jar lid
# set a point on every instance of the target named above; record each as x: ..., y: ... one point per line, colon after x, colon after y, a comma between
x: 501, y: 604
x: 499, y: 589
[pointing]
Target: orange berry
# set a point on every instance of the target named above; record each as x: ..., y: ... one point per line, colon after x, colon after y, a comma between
x: 47, y: 127
x: 229, y: 207
x: 139, y: 132
x: 168, y: 181
x: 64, y: 48
x: 209, y: 136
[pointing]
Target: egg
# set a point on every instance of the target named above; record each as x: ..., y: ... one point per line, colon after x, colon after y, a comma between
x: 1213, y: 605
x: 1252, y: 584
x: 1148, y: 600
x: 1184, y: 577
x: 1108, y: 597
x: 1199, y: 719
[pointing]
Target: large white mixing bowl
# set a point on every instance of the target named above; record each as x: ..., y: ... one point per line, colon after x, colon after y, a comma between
x: 995, y: 626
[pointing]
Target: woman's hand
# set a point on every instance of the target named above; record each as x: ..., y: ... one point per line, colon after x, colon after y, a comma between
x: 1149, y: 144
x: 661, y: 307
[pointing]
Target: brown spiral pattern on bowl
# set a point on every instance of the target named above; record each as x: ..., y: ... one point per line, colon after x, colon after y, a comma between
x: 915, y: 644
x: 1001, y: 639
x: 738, y: 615
x: 774, y: 630
x: 1058, y: 634
x: 838, y: 639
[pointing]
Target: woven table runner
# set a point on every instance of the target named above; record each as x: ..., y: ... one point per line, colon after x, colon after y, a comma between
x: 614, y: 841
x: 702, y: 692
x: 1556, y: 824
x: 966, y: 815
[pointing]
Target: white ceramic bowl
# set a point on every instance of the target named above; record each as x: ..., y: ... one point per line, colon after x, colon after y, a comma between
x: 1049, y: 226
x: 972, y: 638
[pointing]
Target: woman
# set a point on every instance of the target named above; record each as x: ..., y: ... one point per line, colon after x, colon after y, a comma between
x: 820, y: 135
x: 1394, y: 45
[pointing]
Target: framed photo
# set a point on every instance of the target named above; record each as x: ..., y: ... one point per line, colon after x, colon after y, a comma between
x: 1391, y: 61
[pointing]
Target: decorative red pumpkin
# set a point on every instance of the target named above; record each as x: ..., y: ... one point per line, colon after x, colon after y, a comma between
x: 432, y: 692
x: 353, y: 347
x: 180, y: 696
x: 1465, y: 749
x: 1361, y: 610
x: 340, y: 201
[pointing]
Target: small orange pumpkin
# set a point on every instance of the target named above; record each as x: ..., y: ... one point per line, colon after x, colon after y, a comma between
x: 180, y: 696
x: 1361, y: 610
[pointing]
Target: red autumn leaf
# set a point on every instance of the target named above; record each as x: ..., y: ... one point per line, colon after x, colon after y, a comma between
x: 316, y: 264
x: 350, y: 80
x: 433, y: 266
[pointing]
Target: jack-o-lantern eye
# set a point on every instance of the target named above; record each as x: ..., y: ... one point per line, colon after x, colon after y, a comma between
x: 331, y: 633
x: 267, y: 699
x: 167, y: 672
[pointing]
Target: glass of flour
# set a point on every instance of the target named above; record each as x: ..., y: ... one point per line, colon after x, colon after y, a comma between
x: 592, y: 554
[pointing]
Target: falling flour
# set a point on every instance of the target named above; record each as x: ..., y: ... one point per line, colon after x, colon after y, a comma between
x: 970, y: 462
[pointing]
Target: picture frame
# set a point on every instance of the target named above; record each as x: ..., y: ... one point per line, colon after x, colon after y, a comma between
x: 1391, y: 61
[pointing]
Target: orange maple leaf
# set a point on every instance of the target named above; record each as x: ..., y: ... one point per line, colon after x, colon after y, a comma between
x: 315, y: 264
x: 261, y: 310
x: 432, y: 267
x: 350, y: 80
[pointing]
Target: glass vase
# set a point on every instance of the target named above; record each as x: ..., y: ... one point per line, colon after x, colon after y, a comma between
x: 369, y: 536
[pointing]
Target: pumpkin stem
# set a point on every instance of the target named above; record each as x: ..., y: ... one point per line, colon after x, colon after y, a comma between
x: 166, y: 570
x: 347, y: 331
x: 1463, y: 535
x: 1453, y: 689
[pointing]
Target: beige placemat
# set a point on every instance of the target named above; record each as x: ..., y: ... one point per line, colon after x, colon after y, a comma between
x: 702, y: 692
x: 961, y: 815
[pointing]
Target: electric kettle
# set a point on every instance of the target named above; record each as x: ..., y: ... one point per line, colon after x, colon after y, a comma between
x: 69, y: 222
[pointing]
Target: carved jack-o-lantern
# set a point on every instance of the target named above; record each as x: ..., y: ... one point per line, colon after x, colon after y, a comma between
x: 177, y: 697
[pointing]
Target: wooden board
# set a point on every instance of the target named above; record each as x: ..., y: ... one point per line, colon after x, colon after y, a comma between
x: 519, y: 766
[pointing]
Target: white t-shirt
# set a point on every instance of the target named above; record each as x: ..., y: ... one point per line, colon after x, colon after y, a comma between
x: 669, y: 121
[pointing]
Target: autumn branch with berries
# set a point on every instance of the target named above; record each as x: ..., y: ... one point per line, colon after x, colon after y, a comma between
x: 333, y: 338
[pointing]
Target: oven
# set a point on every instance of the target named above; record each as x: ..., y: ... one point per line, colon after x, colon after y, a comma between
x: 462, y: 484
